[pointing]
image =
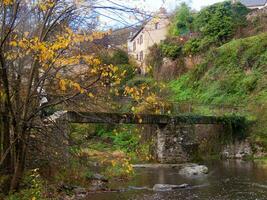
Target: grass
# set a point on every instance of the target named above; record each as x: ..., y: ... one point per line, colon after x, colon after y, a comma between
x: 233, y: 74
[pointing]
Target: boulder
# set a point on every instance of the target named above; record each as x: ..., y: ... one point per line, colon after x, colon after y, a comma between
x: 167, y: 187
x: 237, y: 150
x: 79, y: 191
x: 196, y: 170
x: 98, y: 185
x: 99, y: 177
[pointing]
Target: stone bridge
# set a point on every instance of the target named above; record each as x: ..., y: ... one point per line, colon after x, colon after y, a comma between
x: 129, y: 118
x: 177, y: 137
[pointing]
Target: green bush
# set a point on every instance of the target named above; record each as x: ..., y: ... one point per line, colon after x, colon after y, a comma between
x: 182, y: 21
x: 32, y: 187
x: 170, y: 50
x: 116, y: 57
x: 192, y: 46
x: 232, y: 74
x: 154, y: 59
x: 119, y: 57
x: 219, y: 22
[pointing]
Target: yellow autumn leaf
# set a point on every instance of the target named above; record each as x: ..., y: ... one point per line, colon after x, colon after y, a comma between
x: 62, y: 84
x: 90, y: 95
x: 7, y: 2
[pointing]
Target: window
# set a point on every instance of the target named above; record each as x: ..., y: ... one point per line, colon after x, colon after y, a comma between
x: 134, y: 46
x: 137, y: 56
x: 157, y: 25
x: 141, y: 39
x: 141, y: 56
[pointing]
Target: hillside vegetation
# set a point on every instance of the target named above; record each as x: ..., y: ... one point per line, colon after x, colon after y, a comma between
x: 234, y: 74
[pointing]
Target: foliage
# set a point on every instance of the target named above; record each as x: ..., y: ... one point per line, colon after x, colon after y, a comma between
x: 33, y: 187
x: 192, y: 46
x: 217, y: 23
x: 124, y: 138
x: 75, y: 173
x: 120, y: 168
x: 233, y: 74
x: 154, y: 59
x: 182, y: 21
x: 120, y: 57
x: 260, y: 128
x: 225, y: 78
x: 170, y: 50
x: 44, y: 57
x: 115, y: 57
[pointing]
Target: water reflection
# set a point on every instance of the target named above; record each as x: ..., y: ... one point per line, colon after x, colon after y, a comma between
x: 228, y: 180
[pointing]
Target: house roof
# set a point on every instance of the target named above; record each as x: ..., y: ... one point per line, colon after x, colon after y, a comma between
x: 162, y: 11
x: 137, y: 33
x: 253, y: 3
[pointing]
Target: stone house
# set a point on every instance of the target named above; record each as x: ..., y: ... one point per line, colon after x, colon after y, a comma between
x: 152, y: 32
x: 253, y: 4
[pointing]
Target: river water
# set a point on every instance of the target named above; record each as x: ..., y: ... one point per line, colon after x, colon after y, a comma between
x: 227, y: 180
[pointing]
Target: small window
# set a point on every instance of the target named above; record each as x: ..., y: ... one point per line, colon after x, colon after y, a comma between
x: 157, y: 25
x: 137, y: 56
x: 134, y: 46
x: 141, y: 39
x: 141, y: 56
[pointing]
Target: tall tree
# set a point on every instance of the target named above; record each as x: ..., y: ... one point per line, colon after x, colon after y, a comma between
x: 40, y: 56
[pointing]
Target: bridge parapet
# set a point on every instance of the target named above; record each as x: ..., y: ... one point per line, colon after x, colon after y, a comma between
x: 129, y: 118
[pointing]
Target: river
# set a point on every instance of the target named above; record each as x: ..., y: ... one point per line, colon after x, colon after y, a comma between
x: 227, y: 180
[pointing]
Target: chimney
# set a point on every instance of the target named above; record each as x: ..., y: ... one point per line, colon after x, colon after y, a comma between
x: 162, y: 10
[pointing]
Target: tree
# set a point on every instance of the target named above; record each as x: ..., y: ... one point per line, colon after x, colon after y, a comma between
x: 181, y: 21
x: 40, y: 53
x: 218, y: 23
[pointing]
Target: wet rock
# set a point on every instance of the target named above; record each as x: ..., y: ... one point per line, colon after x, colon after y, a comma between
x: 80, y: 196
x: 238, y: 150
x: 167, y: 187
x: 138, y: 188
x: 259, y: 151
x: 98, y: 185
x: 79, y: 191
x: 99, y: 177
x: 65, y: 187
x: 196, y: 170
x: 67, y: 197
x: 163, y: 166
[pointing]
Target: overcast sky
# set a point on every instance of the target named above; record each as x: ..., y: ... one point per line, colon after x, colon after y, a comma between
x: 145, y: 5
x: 170, y: 4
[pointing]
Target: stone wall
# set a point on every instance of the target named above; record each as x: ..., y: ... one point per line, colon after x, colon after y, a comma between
x: 181, y: 143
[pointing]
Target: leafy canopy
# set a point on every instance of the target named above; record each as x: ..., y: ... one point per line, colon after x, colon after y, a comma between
x: 217, y: 23
x: 181, y: 21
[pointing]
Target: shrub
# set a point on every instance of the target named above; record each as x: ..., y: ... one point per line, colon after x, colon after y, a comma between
x: 155, y: 58
x: 182, y: 21
x: 32, y: 187
x: 119, y: 57
x: 220, y: 21
x: 192, y: 46
x: 116, y: 57
x: 170, y: 50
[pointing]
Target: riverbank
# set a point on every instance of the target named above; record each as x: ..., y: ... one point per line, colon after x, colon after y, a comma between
x: 231, y: 180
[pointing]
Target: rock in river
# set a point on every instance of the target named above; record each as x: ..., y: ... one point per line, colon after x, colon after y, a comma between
x: 167, y: 187
x: 196, y: 170
x: 99, y: 177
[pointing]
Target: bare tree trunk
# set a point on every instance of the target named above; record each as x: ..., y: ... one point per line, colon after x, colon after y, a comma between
x: 6, y: 166
x: 1, y: 128
x: 19, y: 165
